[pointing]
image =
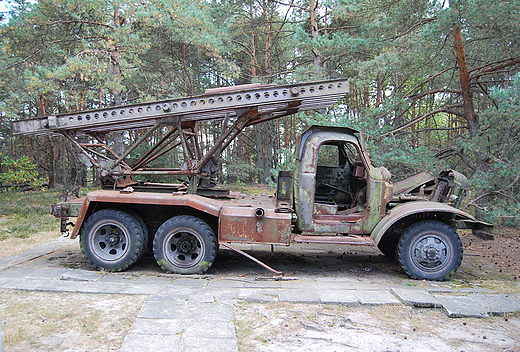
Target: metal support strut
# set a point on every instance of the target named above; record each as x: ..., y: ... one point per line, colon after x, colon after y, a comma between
x: 227, y: 245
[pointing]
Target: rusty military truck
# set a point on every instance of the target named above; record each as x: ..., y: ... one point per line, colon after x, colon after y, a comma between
x: 334, y: 194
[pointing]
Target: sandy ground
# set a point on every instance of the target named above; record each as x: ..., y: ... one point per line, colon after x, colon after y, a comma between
x: 43, y: 321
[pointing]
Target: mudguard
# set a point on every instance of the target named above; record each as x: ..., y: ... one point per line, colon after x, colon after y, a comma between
x: 459, y: 217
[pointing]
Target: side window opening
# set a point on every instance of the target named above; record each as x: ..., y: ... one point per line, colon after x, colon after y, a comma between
x: 340, y: 179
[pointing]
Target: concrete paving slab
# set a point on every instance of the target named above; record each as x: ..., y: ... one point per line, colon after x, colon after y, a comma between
x: 345, y: 297
x: 461, y: 307
x: 167, y: 298
x: 61, y: 286
x: 416, y: 297
x: 162, y: 310
x: 298, y: 296
x: 199, y: 282
x: 440, y: 289
x: 202, y: 344
x: 209, y: 329
x: 49, y: 273
x: 17, y: 272
x: 209, y: 311
x: 215, y: 295
x: 147, y: 343
x: 179, y: 291
x: 367, y: 297
x: 256, y: 296
x: 140, y: 289
x: 263, y: 284
x: 515, y: 299
x: 476, y: 290
x: 496, y: 304
x: 153, y: 280
x: 145, y: 326
x: 117, y: 278
x: 203, y: 297
x: 101, y: 287
x: 81, y: 275
x: 358, y: 285
x: 334, y: 285
x: 24, y: 284
x: 304, y: 284
x: 33, y: 253
x: 227, y: 283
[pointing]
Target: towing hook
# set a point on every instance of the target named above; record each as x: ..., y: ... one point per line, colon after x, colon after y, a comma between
x: 259, y: 213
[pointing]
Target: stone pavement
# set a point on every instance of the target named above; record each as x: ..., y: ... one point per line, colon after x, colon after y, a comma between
x: 195, y: 313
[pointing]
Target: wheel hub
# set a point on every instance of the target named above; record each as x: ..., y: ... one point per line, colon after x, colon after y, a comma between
x: 431, y: 253
x: 185, y: 246
x: 113, y: 239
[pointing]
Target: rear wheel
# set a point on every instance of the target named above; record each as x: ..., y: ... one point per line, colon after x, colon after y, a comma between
x: 429, y: 250
x: 185, y: 245
x: 112, y: 239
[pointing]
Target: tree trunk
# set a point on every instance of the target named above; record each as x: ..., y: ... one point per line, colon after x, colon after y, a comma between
x: 469, y: 112
x: 115, y: 57
x: 318, y: 62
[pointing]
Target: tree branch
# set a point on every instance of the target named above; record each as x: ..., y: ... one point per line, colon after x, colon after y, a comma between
x: 49, y: 44
x: 500, y: 65
x: 499, y: 192
x: 420, y: 118
x: 78, y: 21
x: 434, y: 91
x: 430, y: 78
x: 426, y: 20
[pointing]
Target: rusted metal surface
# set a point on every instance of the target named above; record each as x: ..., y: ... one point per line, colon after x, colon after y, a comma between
x: 369, y: 199
x: 451, y: 188
x: 460, y: 218
x: 344, y: 240
x: 411, y: 183
x: 81, y: 218
x: 118, y: 199
x: 238, y: 107
x: 253, y: 219
x: 216, y: 105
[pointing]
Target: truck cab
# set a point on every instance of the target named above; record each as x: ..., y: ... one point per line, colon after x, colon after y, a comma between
x: 337, y: 189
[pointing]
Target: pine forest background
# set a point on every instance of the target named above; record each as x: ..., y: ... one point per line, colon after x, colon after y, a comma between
x: 434, y: 83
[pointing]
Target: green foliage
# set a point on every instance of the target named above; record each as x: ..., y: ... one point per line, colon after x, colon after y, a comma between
x: 26, y: 214
x: 500, y: 145
x: 66, y: 55
x: 20, y: 171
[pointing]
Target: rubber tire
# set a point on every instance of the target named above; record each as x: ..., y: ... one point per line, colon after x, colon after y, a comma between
x: 134, y: 240
x: 388, y: 247
x: 445, y: 249
x: 185, y: 244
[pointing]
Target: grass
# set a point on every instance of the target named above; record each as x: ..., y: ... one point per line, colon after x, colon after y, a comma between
x: 47, y: 321
x: 25, y: 220
x: 250, y: 189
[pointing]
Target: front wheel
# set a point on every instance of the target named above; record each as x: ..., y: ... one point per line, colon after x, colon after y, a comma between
x: 429, y: 250
x: 113, y: 239
x: 185, y: 244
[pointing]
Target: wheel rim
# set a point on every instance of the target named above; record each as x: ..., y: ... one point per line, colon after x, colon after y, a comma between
x: 431, y: 252
x: 184, y: 248
x: 109, y: 242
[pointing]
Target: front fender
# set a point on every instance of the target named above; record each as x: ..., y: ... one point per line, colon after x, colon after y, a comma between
x: 427, y: 210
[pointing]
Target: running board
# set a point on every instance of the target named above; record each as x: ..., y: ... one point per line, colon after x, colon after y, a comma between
x: 352, y: 239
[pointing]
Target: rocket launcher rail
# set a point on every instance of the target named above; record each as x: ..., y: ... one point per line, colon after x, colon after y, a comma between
x: 267, y: 99
x: 176, y: 120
